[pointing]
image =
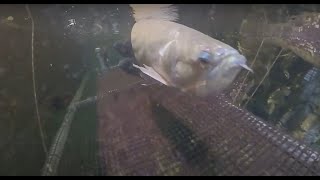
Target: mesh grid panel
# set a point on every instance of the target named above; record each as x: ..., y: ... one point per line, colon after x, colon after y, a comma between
x: 156, y: 130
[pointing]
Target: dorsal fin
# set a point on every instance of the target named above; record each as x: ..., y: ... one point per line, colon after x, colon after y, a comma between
x: 166, y: 12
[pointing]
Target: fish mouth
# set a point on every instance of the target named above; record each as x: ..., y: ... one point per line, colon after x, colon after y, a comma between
x: 240, y: 60
x: 246, y: 67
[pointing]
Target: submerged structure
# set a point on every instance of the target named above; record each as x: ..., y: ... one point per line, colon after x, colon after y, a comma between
x: 148, y: 129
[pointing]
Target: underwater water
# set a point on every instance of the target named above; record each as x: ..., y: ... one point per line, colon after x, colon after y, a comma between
x: 283, y: 90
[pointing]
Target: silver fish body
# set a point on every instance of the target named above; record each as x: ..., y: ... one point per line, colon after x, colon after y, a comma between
x: 174, y: 51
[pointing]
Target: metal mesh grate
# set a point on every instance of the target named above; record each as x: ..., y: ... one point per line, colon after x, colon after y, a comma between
x: 156, y: 130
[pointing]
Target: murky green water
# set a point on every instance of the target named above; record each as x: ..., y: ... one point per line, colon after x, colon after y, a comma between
x: 64, y: 48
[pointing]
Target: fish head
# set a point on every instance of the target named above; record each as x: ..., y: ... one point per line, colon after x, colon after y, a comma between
x: 228, y: 56
x: 235, y: 61
x: 223, y: 65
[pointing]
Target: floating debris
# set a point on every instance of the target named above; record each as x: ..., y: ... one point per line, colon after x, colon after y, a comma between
x: 66, y: 66
x: 10, y: 18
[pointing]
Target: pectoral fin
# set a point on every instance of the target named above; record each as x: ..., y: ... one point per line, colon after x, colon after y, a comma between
x: 152, y: 73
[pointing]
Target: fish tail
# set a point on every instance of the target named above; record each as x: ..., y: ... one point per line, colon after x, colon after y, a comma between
x: 154, y: 11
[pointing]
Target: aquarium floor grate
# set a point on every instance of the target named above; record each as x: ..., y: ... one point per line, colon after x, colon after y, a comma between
x: 156, y: 130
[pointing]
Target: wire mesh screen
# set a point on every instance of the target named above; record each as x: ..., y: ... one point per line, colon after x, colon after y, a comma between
x: 155, y: 130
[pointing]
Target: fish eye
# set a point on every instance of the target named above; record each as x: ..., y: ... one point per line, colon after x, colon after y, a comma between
x: 205, y: 57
